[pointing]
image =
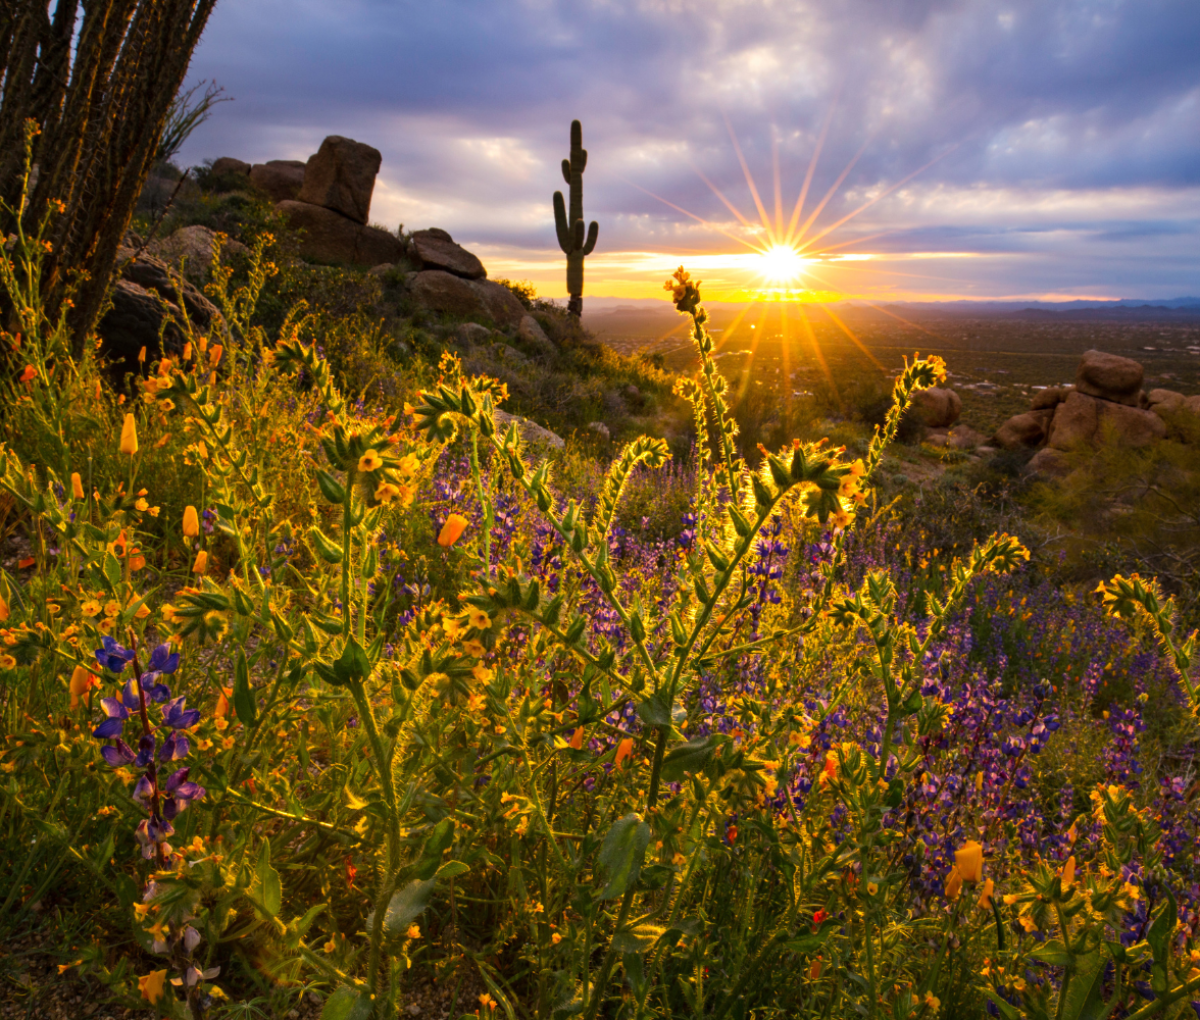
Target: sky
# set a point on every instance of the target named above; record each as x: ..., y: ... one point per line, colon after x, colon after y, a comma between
x: 1006, y: 149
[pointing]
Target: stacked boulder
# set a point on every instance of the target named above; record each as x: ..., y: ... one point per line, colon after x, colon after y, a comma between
x: 452, y: 281
x: 332, y: 205
x: 1106, y: 404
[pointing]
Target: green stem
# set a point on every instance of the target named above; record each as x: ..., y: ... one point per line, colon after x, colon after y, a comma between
x: 609, y: 955
x: 382, y: 765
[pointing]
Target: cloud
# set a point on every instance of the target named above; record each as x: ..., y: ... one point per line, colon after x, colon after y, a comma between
x: 1037, y: 116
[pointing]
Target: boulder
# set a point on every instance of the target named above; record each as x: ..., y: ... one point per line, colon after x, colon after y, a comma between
x: 531, y: 433
x: 1192, y: 405
x: 1109, y: 377
x: 1164, y: 401
x: 937, y: 407
x: 963, y: 437
x: 434, y: 249
x: 471, y: 333
x: 280, y: 179
x: 439, y: 291
x: 1050, y: 397
x: 341, y: 176
x: 1024, y: 430
x: 380, y: 269
x: 1129, y: 426
x: 153, y: 274
x: 191, y: 248
x: 1049, y: 462
x: 600, y: 429
x: 1081, y: 419
x: 227, y: 165
x: 134, y: 321
x: 507, y: 352
x: 331, y: 237
x: 1075, y: 422
x: 531, y: 332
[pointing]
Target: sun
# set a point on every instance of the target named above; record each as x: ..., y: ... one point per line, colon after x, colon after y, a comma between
x: 781, y: 263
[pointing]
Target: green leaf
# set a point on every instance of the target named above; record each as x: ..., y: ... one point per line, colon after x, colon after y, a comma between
x: 327, y: 548
x: 656, y: 710
x: 347, y: 1004
x: 406, y: 905
x: 331, y: 488
x: 270, y: 887
x: 436, y: 843
x: 1084, y: 998
x: 693, y: 756
x: 1007, y: 1010
x: 243, y: 696
x: 621, y: 854
x: 452, y: 869
x: 353, y: 666
x: 637, y: 940
x: 112, y: 569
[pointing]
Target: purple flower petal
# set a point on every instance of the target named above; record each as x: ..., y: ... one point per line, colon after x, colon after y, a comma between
x: 118, y: 755
x: 108, y: 729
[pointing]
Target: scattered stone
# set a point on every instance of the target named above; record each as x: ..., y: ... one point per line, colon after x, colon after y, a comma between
x: 1109, y: 377
x: 280, y: 179
x: 1049, y: 461
x: 531, y: 433
x: 508, y: 352
x: 600, y: 429
x: 435, y: 249
x: 191, y: 248
x: 471, y: 333
x: 963, y: 437
x: 341, y: 176
x: 530, y: 331
x: 332, y: 237
x: 229, y: 165
x: 440, y: 291
x: 1050, y: 397
x: 1024, y: 430
x: 937, y: 407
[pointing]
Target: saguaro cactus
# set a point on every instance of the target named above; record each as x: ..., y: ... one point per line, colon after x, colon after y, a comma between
x: 570, y: 229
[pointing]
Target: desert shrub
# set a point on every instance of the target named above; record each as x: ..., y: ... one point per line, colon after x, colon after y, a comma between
x: 522, y: 290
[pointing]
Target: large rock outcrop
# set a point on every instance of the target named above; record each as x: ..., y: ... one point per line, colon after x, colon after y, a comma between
x: 435, y: 249
x: 341, y: 176
x: 1110, y: 377
x: 331, y: 237
x: 190, y: 249
x: 439, y: 291
x: 1106, y: 406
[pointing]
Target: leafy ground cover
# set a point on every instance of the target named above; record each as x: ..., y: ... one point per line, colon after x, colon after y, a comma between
x: 315, y: 688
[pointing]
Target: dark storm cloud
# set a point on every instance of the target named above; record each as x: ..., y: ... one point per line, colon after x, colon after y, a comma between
x: 1080, y: 116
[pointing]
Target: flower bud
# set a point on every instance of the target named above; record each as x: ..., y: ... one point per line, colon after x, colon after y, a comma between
x: 201, y: 564
x: 76, y: 485
x: 968, y: 859
x: 129, y: 440
x: 452, y: 530
x: 191, y: 523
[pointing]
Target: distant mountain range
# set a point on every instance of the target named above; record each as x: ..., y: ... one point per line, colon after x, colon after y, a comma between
x: 617, y: 315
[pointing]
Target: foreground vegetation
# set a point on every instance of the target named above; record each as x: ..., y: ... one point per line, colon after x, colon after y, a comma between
x: 312, y: 692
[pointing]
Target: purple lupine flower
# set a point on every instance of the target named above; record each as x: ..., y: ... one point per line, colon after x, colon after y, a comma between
x: 180, y: 793
x: 179, y: 718
x: 113, y: 656
x: 176, y: 746
x: 118, y: 755
x: 117, y: 713
x: 162, y: 660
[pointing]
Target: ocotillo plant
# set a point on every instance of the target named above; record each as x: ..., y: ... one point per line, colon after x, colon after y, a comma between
x: 570, y: 229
